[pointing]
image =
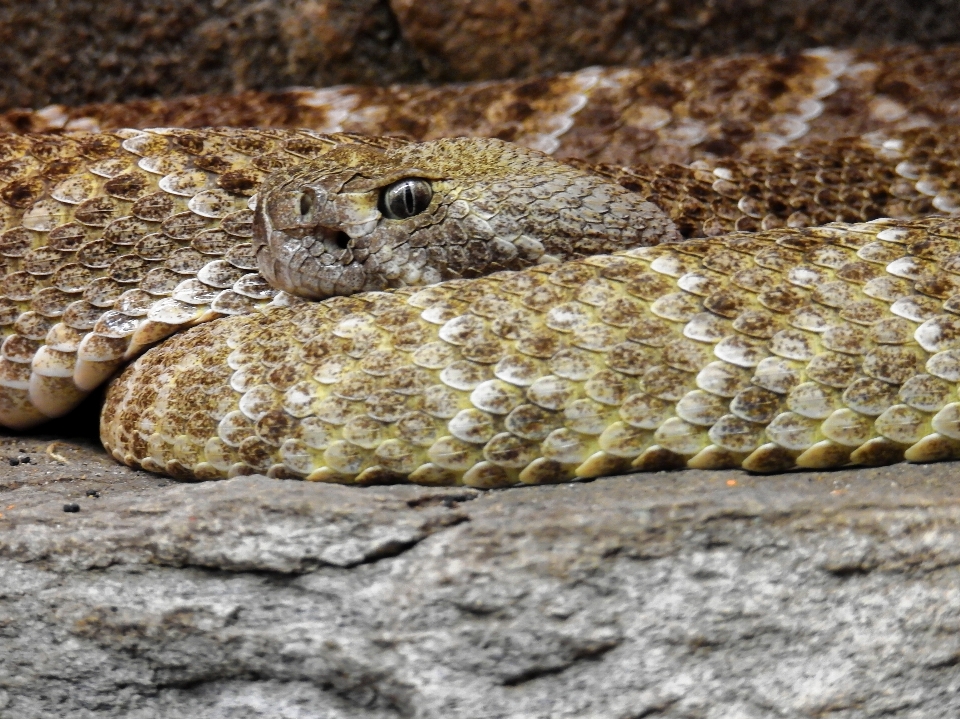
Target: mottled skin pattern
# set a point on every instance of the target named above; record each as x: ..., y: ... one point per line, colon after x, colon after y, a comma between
x: 848, y: 180
x: 114, y: 241
x: 789, y: 348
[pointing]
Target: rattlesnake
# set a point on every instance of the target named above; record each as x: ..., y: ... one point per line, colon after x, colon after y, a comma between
x: 791, y: 347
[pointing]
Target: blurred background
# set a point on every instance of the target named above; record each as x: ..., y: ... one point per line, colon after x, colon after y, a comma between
x: 79, y: 51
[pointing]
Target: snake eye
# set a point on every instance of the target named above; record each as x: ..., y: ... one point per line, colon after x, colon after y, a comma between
x: 405, y: 198
x: 307, y: 200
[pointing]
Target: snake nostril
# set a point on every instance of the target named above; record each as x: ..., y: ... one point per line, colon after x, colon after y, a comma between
x: 306, y: 203
x: 343, y: 240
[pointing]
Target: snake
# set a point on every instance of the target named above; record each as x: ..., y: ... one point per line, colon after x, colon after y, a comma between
x: 366, y: 309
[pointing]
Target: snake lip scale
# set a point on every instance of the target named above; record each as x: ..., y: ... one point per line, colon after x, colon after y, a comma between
x: 570, y: 335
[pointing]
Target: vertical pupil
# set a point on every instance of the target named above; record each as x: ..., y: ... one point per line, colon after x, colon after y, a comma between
x: 405, y: 198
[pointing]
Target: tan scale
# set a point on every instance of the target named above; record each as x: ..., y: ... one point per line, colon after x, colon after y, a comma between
x: 790, y: 348
x: 111, y: 242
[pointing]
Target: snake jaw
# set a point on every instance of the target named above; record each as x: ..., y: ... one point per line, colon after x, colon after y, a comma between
x: 315, y: 266
x: 305, y: 243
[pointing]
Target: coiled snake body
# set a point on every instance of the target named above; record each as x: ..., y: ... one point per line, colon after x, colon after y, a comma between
x: 788, y: 348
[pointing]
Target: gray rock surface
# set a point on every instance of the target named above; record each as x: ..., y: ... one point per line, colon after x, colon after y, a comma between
x: 687, y: 594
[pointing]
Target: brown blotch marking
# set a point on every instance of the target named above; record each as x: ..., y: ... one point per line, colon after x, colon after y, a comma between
x: 23, y: 193
x: 183, y: 225
x: 98, y: 146
x: 54, y: 148
x: 940, y: 285
x: 859, y: 272
x: 651, y: 331
x: 667, y: 383
x: 757, y: 324
x: 285, y: 376
x: 128, y: 186
x: 833, y: 369
x: 16, y: 242
x: 864, y: 312
x: 98, y: 254
x: 98, y: 211
x: 542, y: 344
x: 154, y: 207
x: 42, y: 261
x: 155, y: 247
x: 239, y: 224
x: 727, y: 303
x: 275, y: 426
x: 893, y: 363
x: 66, y: 238
x: 306, y: 146
x: 213, y: 163
x: 243, y: 182
x: 60, y: 169
x: 649, y: 286
x: 185, y: 261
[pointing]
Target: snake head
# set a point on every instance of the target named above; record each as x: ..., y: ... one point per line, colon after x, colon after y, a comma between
x: 360, y: 218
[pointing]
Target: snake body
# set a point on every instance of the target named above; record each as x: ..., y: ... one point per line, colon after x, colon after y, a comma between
x: 114, y: 241
x: 810, y: 348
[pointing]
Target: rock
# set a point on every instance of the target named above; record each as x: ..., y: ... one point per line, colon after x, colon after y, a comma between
x: 555, y: 35
x: 686, y: 594
x: 73, y: 51
x: 79, y: 51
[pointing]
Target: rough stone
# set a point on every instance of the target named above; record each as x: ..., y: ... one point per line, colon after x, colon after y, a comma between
x: 73, y: 51
x: 554, y: 35
x: 77, y: 51
x: 686, y: 594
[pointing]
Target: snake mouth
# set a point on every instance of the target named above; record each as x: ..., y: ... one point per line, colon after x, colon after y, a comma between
x: 319, y: 262
x: 314, y: 260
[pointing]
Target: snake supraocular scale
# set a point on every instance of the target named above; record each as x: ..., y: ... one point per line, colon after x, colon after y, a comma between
x: 115, y: 241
